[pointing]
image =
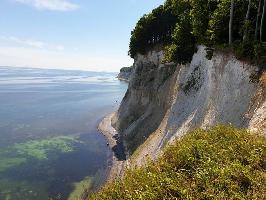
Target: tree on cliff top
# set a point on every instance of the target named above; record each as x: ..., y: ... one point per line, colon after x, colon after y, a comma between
x: 208, y: 24
x: 231, y: 22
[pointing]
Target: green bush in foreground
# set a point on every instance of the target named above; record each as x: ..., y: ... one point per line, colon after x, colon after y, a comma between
x: 221, y: 163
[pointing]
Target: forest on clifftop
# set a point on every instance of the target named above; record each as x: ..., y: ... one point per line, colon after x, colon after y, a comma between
x: 180, y: 25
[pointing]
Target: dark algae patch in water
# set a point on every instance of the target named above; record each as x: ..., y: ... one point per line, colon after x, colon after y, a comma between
x: 52, y: 167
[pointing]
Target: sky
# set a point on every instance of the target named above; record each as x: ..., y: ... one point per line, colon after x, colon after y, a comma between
x: 69, y: 34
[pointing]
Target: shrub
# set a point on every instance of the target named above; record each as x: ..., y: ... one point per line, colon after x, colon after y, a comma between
x: 259, y: 52
x: 220, y: 163
x: 244, y: 49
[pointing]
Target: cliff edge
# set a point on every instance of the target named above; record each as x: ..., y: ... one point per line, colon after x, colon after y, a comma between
x: 165, y: 101
x: 125, y: 74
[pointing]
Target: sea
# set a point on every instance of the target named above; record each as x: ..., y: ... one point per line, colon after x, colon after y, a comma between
x: 50, y: 147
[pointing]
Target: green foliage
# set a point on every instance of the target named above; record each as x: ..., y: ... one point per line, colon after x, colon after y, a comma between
x: 259, y: 52
x: 244, y: 49
x: 251, y: 50
x: 218, y: 29
x: 183, y: 46
x: 79, y: 188
x: 126, y: 69
x: 153, y: 28
x: 179, y: 25
x: 247, y: 30
x: 199, y: 18
x: 220, y: 163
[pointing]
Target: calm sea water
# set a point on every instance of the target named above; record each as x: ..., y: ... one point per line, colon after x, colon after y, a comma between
x: 49, y: 143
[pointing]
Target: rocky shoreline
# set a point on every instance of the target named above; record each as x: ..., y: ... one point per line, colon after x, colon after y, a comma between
x: 123, y: 79
x: 119, y: 159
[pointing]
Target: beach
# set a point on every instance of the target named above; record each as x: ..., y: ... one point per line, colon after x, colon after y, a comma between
x: 118, y: 160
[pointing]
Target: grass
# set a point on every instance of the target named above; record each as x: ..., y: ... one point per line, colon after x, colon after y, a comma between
x: 220, y: 163
x: 80, y: 187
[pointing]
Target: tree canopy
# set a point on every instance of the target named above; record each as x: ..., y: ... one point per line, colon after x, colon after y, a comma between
x: 179, y: 25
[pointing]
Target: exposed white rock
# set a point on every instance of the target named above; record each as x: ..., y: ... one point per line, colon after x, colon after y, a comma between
x: 220, y: 92
x: 165, y: 101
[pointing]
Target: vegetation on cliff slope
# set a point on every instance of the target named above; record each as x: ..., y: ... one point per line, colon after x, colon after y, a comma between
x: 126, y: 69
x: 220, y: 163
x: 181, y: 24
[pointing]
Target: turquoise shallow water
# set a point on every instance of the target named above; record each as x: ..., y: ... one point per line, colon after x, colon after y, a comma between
x: 49, y: 143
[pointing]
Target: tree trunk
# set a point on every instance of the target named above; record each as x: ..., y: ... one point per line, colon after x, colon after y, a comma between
x: 246, y: 19
x: 262, y: 21
x: 231, y: 22
x: 248, y: 11
x: 257, y: 21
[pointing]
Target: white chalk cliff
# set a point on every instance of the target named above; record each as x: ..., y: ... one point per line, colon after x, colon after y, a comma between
x: 165, y: 101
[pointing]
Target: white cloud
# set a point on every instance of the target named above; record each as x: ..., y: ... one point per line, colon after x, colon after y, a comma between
x: 27, y: 42
x: 59, y: 47
x: 53, y: 5
x: 11, y: 40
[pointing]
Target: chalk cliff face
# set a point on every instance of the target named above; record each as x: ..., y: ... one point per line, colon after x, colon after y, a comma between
x: 164, y: 101
x: 125, y: 74
x: 147, y: 99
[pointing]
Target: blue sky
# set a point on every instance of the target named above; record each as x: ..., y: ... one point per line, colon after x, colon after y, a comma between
x: 69, y: 34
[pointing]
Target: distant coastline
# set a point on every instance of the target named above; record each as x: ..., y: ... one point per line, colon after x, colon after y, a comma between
x: 125, y: 74
x: 123, y: 79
